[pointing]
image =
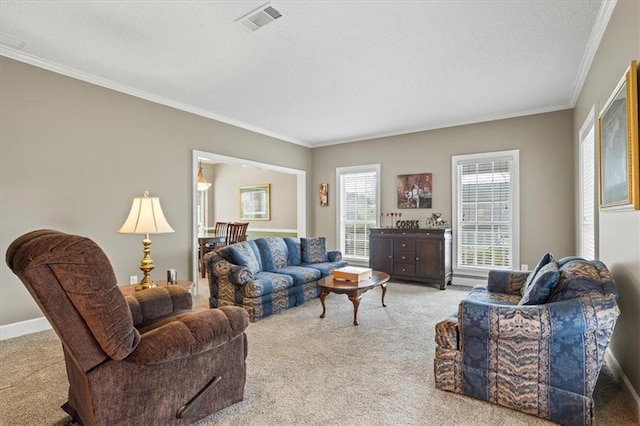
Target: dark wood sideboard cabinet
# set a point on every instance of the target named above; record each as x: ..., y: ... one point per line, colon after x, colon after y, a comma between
x: 422, y: 255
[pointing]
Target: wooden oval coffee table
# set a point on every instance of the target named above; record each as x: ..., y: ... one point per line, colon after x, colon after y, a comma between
x: 354, y: 290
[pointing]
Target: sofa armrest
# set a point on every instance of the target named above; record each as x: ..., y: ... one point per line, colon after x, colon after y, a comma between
x: 240, y: 275
x: 334, y: 255
x: 536, y: 322
x: 220, y: 269
x: 447, y: 332
x: 506, y: 281
x: 190, y: 335
x: 153, y: 303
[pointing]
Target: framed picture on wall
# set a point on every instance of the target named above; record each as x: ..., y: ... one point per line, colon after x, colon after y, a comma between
x: 414, y: 191
x: 324, y: 194
x: 255, y: 202
x: 618, y: 145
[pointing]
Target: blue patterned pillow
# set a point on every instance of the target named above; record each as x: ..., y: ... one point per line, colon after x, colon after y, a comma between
x: 294, y: 255
x: 314, y: 250
x: 273, y: 252
x: 245, y: 255
x: 542, y: 285
x: 546, y: 258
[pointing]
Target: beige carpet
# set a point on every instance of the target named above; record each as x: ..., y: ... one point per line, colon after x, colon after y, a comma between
x: 303, y: 370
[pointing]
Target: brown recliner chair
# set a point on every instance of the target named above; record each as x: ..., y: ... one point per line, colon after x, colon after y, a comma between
x: 147, y: 359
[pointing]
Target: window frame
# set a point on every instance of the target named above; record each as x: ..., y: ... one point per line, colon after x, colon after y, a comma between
x: 340, y: 234
x: 458, y: 160
x: 588, y: 128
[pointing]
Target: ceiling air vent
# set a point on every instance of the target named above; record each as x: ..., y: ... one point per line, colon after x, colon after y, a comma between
x: 259, y: 17
x: 10, y: 41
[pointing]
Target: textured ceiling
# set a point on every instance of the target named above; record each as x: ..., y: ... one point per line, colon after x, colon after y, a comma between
x: 326, y: 71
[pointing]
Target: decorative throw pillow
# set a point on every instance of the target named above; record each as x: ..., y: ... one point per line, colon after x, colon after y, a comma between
x: 244, y: 255
x: 546, y: 258
x: 542, y: 285
x: 314, y: 250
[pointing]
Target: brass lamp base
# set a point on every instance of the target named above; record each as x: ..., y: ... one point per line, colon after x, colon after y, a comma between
x: 146, y: 265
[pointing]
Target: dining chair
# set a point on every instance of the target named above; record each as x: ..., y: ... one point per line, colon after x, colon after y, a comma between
x: 220, y: 230
x: 237, y: 232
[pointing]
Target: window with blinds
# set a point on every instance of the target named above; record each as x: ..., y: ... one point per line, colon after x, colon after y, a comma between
x: 358, y: 209
x: 587, y: 189
x: 485, y: 210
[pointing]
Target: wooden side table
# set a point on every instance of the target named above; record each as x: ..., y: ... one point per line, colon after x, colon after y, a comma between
x: 131, y: 288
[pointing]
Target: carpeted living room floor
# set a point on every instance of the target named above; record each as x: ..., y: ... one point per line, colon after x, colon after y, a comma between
x: 303, y: 370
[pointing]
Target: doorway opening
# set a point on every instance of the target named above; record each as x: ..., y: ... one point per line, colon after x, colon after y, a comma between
x: 212, y: 158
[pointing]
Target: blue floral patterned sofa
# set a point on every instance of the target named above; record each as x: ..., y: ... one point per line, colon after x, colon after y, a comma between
x: 533, y: 342
x: 267, y: 275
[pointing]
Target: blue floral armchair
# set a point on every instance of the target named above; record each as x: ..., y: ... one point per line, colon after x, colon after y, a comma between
x: 533, y: 342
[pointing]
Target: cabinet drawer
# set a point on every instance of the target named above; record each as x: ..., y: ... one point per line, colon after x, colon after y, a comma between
x: 404, y: 269
x: 404, y: 256
x: 408, y: 244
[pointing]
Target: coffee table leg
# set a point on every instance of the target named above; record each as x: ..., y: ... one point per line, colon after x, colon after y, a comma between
x: 323, y: 294
x: 355, y: 299
x: 384, y: 291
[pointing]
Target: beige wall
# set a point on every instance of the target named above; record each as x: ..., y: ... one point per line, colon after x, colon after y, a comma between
x: 227, y: 178
x: 74, y: 154
x: 619, y: 232
x: 546, y: 174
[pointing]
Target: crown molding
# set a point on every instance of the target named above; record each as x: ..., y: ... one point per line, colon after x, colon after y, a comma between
x: 440, y: 126
x: 21, y: 56
x: 600, y: 26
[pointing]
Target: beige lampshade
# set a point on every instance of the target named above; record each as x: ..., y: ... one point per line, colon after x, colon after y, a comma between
x: 146, y: 217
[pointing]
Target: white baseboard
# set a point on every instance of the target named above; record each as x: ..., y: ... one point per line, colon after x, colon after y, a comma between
x: 21, y: 328
x: 628, y: 391
x: 468, y: 281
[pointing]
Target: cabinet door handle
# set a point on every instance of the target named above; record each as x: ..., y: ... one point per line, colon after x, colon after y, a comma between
x: 403, y: 244
x: 417, y: 258
x: 403, y: 258
x: 389, y: 257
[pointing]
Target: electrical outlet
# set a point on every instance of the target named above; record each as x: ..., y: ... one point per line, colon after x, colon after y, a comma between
x: 133, y: 279
x: 524, y: 267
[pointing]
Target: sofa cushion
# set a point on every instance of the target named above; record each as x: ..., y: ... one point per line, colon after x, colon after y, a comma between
x: 300, y: 274
x: 546, y: 258
x: 244, y: 254
x: 273, y: 252
x: 314, y: 250
x: 266, y: 283
x: 325, y: 268
x: 480, y: 293
x: 543, y: 283
x: 294, y: 251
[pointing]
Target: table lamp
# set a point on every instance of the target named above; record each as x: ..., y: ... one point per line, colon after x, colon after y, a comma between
x: 146, y: 218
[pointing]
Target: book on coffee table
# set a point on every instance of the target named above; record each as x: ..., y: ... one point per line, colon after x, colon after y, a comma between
x: 352, y: 273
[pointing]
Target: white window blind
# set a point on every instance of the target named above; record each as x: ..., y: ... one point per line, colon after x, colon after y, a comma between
x: 587, y: 190
x: 486, y: 191
x: 358, y: 210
